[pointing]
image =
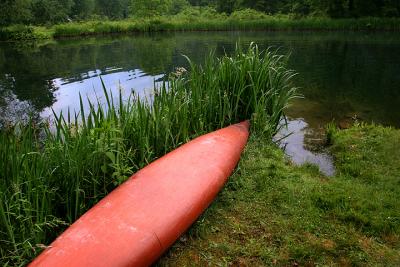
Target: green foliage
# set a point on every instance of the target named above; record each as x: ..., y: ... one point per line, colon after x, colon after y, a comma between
x: 204, y: 19
x: 149, y: 8
x: 178, y: 6
x: 15, y: 12
x: 154, y: 8
x: 112, y: 9
x: 248, y: 14
x: 17, y: 32
x: 226, y: 6
x: 332, y: 8
x: 83, y: 9
x: 200, y: 13
x: 51, y: 11
x: 57, y: 11
x: 336, y: 8
x: 50, y: 174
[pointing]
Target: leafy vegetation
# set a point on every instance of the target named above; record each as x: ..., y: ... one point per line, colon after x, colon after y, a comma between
x: 331, y: 8
x: 206, y: 20
x: 45, y: 12
x: 100, y: 16
x: 274, y: 213
x: 54, y: 172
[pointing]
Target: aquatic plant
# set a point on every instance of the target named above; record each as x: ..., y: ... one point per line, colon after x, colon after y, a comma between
x: 51, y: 173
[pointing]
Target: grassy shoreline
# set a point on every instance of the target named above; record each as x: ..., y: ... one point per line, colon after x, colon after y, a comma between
x: 268, y: 23
x: 272, y: 213
x: 50, y: 174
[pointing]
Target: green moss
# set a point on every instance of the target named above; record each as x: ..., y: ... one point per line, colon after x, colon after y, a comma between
x: 271, y: 212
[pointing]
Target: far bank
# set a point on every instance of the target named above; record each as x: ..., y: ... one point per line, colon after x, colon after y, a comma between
x: 197, y: 23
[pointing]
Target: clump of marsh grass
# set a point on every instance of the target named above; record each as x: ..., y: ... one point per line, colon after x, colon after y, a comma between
x: 51, y: 174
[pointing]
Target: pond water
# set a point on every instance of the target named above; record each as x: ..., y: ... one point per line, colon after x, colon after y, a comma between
x: 342, y: 76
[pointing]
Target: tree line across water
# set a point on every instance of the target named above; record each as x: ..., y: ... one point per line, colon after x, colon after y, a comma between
x: 45, y: 12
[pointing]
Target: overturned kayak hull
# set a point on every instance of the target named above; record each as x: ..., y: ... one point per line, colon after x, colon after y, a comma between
x: 137, y: 222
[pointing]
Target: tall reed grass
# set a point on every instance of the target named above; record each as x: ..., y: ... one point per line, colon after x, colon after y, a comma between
x: 51, y: 173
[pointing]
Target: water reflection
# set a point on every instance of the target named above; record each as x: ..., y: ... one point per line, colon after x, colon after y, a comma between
x: 294, y: 138
x: 356, y: 72
x: 90, y: 88
x: 12, y: 107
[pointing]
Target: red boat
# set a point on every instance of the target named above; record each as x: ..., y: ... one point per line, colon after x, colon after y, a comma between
x: 137, y: 222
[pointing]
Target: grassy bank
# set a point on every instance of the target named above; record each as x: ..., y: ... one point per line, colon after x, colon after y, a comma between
x: 198, y: 23
x: 274, y: 214
x: 50, y: 174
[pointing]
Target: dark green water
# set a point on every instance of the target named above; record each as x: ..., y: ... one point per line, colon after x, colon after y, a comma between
x: 341, y: 75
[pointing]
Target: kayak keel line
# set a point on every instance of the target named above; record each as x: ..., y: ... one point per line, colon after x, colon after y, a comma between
x: 137, y: 222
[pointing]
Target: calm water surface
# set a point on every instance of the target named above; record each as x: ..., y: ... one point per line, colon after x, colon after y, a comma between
x: 342, y: 76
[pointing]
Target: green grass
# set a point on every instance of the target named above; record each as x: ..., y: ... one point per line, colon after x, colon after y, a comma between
x: 272, y: 213
x: 52, y: 173
x: 199, y: 22
x: 25, y: 33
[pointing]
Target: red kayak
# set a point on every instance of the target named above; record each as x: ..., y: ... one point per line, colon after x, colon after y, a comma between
x: 137, y: 222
